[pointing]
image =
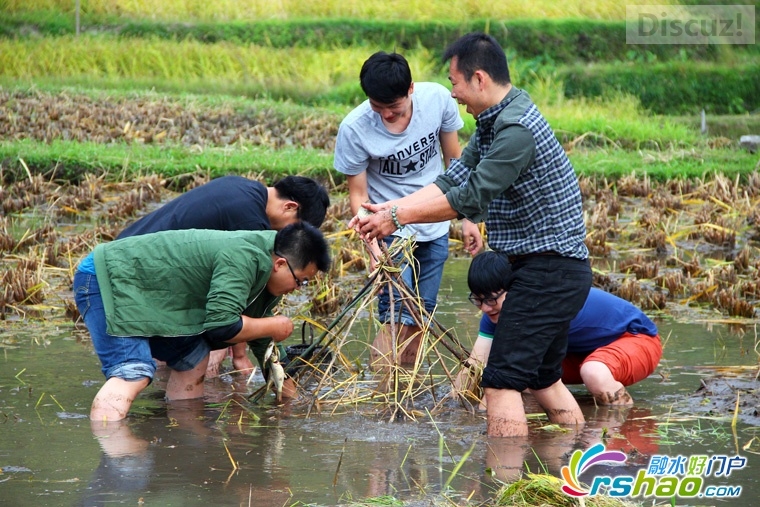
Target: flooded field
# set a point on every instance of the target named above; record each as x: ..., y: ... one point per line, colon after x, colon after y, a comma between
x: 226, y: 450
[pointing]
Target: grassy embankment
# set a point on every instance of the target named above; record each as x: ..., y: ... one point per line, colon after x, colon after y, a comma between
x: 136, y: 50
x: 200, y: 10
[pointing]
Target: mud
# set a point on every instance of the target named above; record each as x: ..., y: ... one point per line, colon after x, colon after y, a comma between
x: 728, y: 395
x: 700, y: 270
x: 46, y: 117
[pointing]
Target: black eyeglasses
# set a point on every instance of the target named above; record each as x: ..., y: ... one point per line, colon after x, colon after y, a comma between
x: 490, y: 301
x: 300, y: 282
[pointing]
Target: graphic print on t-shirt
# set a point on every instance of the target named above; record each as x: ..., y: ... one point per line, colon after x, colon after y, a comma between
x: 412, y: 158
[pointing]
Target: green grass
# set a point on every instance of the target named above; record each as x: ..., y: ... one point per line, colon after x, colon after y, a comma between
x: 673, y: 87
x: 729, y: 126
x: 358, y: 9
x: 111, y: 57
x: 69, y: 160
x: 304, y: 74
x: 121, y: 161
x: 613, y: 121
x: 617, y: 121
x: 118, y: 89
x: 696, y: 162
x: 616, y: 138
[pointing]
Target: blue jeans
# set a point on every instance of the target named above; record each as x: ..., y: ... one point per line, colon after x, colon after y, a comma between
x: 130, y: 357
x: 423, y: 278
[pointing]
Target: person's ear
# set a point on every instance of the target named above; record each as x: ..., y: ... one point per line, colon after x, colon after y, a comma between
x: 291, y: 207
x: 480, y: 79
x: 278, y: 263
x: 290, y: 210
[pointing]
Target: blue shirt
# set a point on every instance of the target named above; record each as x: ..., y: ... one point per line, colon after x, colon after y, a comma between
x: 601, y: 321
x: 87, y: 266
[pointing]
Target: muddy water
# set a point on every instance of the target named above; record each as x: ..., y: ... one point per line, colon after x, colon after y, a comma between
x: 216, y: 452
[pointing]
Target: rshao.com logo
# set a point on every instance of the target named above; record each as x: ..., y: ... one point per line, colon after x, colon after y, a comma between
x: 665, y: 476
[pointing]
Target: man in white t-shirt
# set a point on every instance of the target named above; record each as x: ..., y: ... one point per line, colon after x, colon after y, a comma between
x: 396, y: 142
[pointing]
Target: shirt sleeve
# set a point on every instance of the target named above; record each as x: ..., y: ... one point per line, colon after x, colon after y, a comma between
x: 451, y: 120
x: 487, y: 328
x: 220, y: 335
x: 350, y: 156
x: 512, y: 151
x: 231, y: 284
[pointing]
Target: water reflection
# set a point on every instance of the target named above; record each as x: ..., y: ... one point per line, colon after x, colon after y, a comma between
x: 126, y: 465
x: 219, y: 452
x: 185, y: 454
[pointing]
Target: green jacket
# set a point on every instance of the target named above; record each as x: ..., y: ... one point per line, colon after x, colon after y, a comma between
x: 181, y: 283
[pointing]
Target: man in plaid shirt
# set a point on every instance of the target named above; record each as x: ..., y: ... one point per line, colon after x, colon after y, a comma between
x: 515, y: 176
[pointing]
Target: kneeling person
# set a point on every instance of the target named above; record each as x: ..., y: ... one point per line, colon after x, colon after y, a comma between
x: 176, y: 295
x: 611, y: 343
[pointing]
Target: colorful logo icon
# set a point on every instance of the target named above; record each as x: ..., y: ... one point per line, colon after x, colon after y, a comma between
x: 665, y: 477
x: 580, y: 461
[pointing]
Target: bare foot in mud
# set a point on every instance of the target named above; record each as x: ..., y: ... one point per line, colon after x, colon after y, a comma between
x: 619, y: 397
x: 216, y: 358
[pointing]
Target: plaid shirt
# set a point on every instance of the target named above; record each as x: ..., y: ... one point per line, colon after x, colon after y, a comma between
x: 515, y: 167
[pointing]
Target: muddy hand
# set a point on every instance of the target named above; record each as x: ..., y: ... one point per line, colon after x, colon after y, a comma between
x: 283, y: 328
x: 471, y: 237
x: 375, y: 226
x: 363, y: 211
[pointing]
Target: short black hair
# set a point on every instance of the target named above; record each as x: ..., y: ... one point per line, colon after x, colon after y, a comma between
x: 302, y: 244
x: 312, y: 198
x: 489, y: 273
x: 479, y: 51
x: 386, y: 77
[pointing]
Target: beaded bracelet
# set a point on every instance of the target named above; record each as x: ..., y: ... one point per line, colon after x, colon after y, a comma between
x: 394, y: 218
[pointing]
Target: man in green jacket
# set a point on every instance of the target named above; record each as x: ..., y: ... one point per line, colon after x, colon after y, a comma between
x: 176, y: 295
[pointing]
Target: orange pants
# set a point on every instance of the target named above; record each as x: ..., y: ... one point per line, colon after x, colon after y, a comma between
x: 630, y: 358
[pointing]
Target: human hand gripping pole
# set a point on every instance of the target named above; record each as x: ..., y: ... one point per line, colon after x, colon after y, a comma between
x: 376, y: 224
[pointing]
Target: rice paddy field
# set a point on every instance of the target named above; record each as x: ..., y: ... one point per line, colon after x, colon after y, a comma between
x: 110, y: 110
x: 198, y: 10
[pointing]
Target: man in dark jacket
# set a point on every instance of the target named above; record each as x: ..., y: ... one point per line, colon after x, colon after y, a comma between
x: 175, y: 295
x: 234, y: 203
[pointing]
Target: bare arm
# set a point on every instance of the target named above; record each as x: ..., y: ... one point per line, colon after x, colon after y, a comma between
x: 480, y: 350
x: 357, y: 190
x: 450, y: 147
x: 380, y: 225
x: 476, y: 362
x: 420, y: 196
x: 278, y: 327
x: 426, y: 205
x: 358, y: 194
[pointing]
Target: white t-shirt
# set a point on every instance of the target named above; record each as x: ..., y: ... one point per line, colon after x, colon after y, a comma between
x: 400, y: 164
